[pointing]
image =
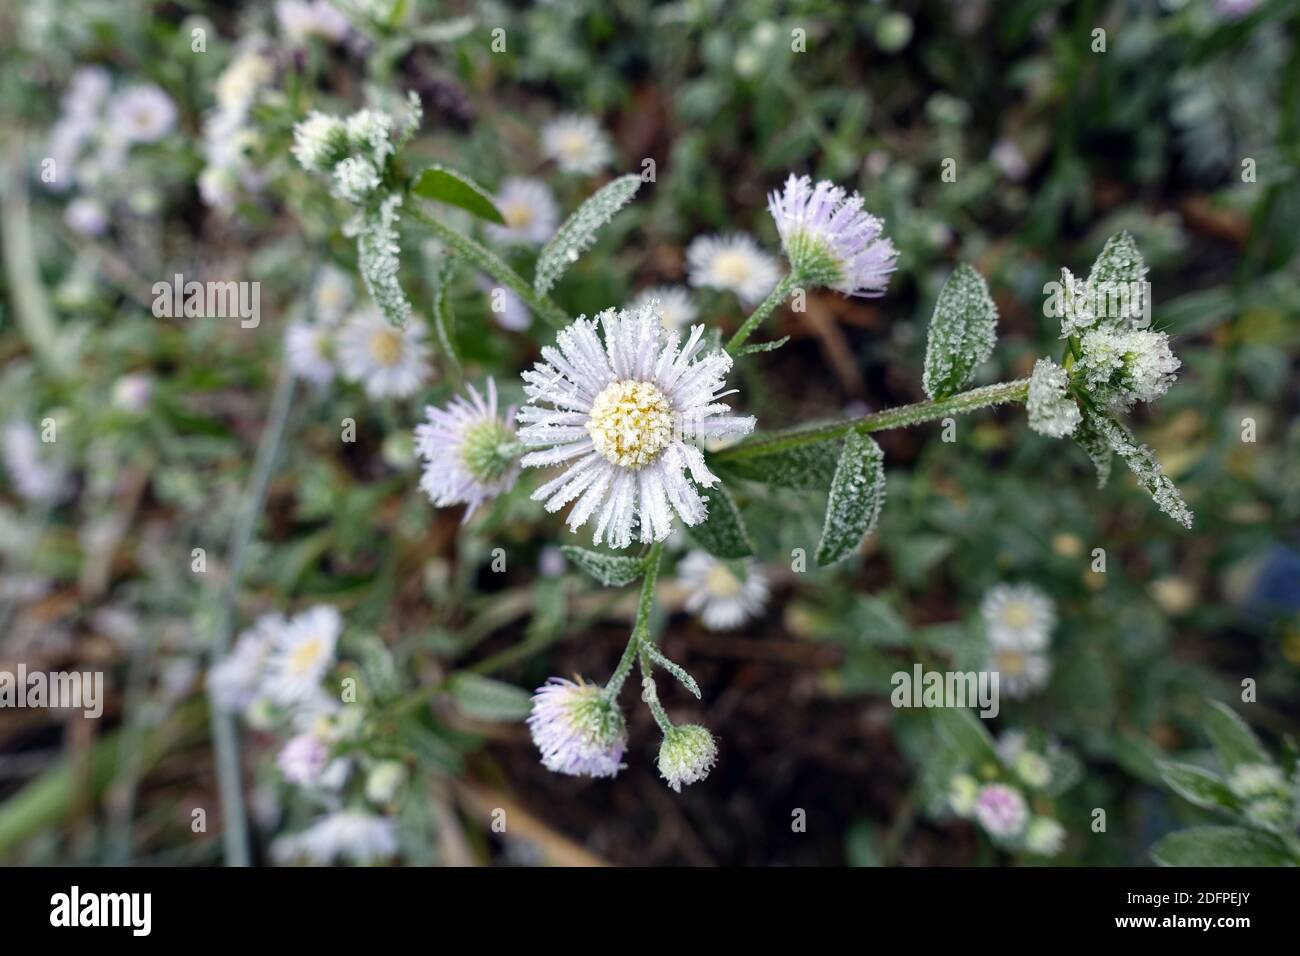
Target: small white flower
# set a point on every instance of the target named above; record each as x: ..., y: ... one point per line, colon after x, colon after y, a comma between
x: 1020, y: 672
x: 529, y: 210
x: 87, y: 92
x: 1001, y: 811
x: 672, y: 303
x: 386, y: 360
x: 1119, y: 367
x: 142, y: 114
x: 370, y: 132
x: 578, y: 731
x: 131, y: 392
x: 1052, y: 411
x: 829, y: 238
x: 686, y: 755
x: 577, y: 144
x: 237, y: 86
x: 307, y: 350
x: 354, y: 179
x: 1253, y: 780
x: 86, y: 216
x: 235, y: 680
x: 1044, y: 836
x: 37, y: 475
x: 384, y: 781
x: 331, y: 295
x: 303, y: 651
x: 1009, y: 160
x: 302, y: 760
x: 300, y: 20
x: 507, y: 308
x: 619, y: 415
x: 1018, y: 616
x: 346, y: 835
x: 1033, y: 769
x: 734, y: 263
x: 470, y: 451
x: 722, y: 599
x: 963, y: 791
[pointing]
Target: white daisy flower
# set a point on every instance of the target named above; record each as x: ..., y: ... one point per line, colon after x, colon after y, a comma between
x: 234, y: 681
x: 303, y: 651
x: 621, y: 415
x: 672, y: 303
x: 386, y: 360
x: 302, y: 760
x: 86, y: 216
x: 720, y: 598
x: 332, y: 295
x: 1018, y: 616
x: 734, y: 263
x: 307, y: 350
x: 87, y: 92
x: 131, y: 392
x: 470, y: 451
x: 350, y: 836
x: 300, y: 20
x: 577, y: 144
x: 1009, y: 160
x: 36, y: 474
x: 829, y: 238
x: 1001, y: 811
x: 1020, y: 672
x: 1044, y: 836
x: 578, y: 731
x: 529, y: 210
x: 142, y: 114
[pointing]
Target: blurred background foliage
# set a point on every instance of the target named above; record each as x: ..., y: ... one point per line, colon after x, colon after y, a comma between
x: 1056, y: 146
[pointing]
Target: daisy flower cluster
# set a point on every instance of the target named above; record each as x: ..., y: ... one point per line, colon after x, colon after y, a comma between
x: 1018, y: 622
x: 999, y: 800
x: 275, y: 676
x: 90, y: 142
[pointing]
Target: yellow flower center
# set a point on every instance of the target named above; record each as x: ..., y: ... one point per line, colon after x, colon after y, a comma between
x: 1016, y: 616
x: 732, y: 266
x: 517, y: 215
x: 386, y: 346
x: 302, y: 657
x: 1011, y: 663
x: 573, y: 145
x: 721, y: 582
x: 631, y: 423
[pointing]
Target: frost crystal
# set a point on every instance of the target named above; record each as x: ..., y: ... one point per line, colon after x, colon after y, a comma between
x: 1051, y: 410
x: 963, y: 331
x: 686, y: 755
x: 319, y: 142
x: 578, y: 730
x: 377, y: 257
x: 1142, y: 462
x: 354, y: 179
x: 1120, y: 367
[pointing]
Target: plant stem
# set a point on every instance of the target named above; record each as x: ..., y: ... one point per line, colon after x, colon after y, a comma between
x: 641, y: 627
x: 765, y: 308
x: 900, y: 417
x: 483, y: 258
x: 234, y: 831
x: 650, y: 692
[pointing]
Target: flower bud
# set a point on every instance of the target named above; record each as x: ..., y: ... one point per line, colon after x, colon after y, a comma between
x: 686, y: 755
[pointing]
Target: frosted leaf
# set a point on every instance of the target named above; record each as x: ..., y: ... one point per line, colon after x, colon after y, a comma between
x: 1142, y: 462
x: 611, y: 570
x: 1091, y: 441
x: 857, y: 493
x: 673, y: 668
x: 1052, y: 411
x: 1076, y: 305
x: 962, y: 333
x: 803, y: 466
x: 378, y: 259
x: 578, y: 232
x: 1119, y: 266
x: 723, y: 532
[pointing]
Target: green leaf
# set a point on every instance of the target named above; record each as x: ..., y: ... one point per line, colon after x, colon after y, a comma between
x: 611, y: 570
x: 1066, y: 772
x: 764, y: 346
x: 962, y: 332
x: 1233, y: 739
x: 456, y: 189
x: 487, y: 699
x: 673, y: 668
x: 964, y: 731
x: 444, y: 319
x: 578, y: 232
x: 857, y: 492
x: 1197, y: 786
x: 1119, y: 264
x: 803, y: 466
x: 723, y: 532
x: 1221, y: 846
x: 1094, y: 444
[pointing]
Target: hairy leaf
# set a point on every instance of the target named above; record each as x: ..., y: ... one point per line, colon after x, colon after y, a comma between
x: 457, y: 189
x: 488, y: 699
x: 444, y: 319
x: 723, y: 532
x: 1118, y: 270
x: 675, y: 669
x: 378, y: 259
x: 578, y: 232
x: 962, y: 332
x: 1221, y: 846
x: 804, y: 466
x: 1233, y: 740
x: 857, y: 492
x: 1197, y: 786
x: 610, y: 570
x: 967, y: 735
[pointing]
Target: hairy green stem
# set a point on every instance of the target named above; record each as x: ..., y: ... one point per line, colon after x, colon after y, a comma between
x: 650, y: 692
x: 900, y: 417
x: 484, y: 259
x: 765, y: 308
x: 641, y: 627
x: 234, y: 830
